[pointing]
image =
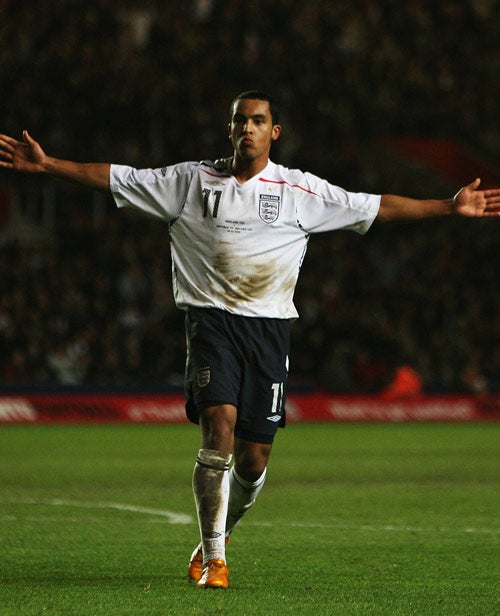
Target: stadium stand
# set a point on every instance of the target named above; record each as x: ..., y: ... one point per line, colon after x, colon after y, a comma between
x: 85, y: 296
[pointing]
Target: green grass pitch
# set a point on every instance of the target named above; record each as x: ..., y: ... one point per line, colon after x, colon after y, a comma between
x: 374, y: 519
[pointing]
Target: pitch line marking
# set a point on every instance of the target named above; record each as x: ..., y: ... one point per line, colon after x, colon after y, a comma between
x: 386, y: 528
x: 172, y: 516
x: 181, y: 518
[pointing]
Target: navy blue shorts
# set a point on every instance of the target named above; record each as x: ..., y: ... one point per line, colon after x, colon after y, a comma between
x: 243, y: 361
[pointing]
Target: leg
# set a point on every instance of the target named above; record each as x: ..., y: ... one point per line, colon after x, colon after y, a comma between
x: 250, y: 459
x: 254, y: 396
x: 246, y: 479
x: 211, y: 480
x: 217, y: 428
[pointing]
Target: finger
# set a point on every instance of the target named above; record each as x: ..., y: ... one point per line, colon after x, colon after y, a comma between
x: 6, y: 150
x: 491, y: 199
x: 28, y: 138
x: 491, y: 196
x: 8, y: 142
x: 492, y: 193
x: 475, y: 184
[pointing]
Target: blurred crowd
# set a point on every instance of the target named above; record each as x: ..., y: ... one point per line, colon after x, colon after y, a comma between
x: 148, y: 83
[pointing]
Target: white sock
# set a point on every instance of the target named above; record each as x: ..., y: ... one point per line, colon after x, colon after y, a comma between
x: 211, y: 492
x: 242, y: 495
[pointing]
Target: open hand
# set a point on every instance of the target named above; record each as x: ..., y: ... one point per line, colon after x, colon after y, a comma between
x: 27, y: 155
x: 471, y: 202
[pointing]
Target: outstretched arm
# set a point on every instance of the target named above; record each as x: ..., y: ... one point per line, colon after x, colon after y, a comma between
x: 28, y: 156
x: 468, y: 202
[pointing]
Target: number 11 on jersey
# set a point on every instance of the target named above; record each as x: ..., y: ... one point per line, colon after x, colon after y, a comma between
x: 206, y: 197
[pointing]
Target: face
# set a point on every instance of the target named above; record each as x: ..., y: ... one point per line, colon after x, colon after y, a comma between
x: 251, y: 129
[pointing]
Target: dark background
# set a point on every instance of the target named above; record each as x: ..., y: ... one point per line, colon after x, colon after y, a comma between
x: 85, y: 294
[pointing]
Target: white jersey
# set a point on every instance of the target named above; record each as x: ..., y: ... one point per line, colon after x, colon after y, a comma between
x: 239, y: 247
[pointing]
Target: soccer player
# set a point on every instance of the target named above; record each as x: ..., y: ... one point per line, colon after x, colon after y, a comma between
x: 239, y: 229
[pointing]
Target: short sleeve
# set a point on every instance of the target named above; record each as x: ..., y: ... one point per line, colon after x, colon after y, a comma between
x: 325, y: 207
x: 159, y: 192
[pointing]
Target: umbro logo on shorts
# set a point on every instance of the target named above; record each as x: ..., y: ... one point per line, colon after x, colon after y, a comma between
x: 274, y: 418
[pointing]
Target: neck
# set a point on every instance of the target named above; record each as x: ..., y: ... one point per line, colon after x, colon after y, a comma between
x: 244, y: 170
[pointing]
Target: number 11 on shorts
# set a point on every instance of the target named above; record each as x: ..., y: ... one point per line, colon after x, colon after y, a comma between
x: 277, y: 396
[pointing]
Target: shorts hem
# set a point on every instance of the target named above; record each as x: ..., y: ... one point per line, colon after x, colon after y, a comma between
x: 193, y: 409
x: 246, y: 435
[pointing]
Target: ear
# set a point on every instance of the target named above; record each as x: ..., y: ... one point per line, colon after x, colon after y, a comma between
x: 276, y: 132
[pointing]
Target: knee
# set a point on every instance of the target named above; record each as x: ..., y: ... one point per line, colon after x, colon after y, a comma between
x: 217, y: 424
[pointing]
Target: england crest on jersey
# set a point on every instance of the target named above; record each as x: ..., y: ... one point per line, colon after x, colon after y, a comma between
x: 269, y: 208
x: 203, y: 377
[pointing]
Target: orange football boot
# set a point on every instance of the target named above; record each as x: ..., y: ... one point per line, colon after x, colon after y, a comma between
x: 215, y: 574
x: 195, y: 568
